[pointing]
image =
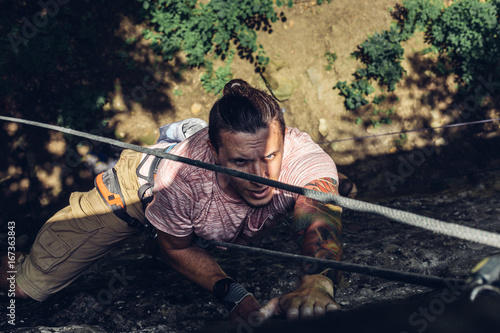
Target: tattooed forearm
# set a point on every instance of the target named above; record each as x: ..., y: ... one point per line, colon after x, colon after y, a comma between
x: 318, y: 226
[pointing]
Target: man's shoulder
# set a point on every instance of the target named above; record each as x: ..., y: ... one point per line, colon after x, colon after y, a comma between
x: 295, y: 135
x: 296, y: 141
x: 195, y: 148
x: 304, y: 160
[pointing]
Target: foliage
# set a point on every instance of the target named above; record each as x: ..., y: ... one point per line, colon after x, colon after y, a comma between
x: 381, y: 117
x: 382, y: 53
x: 48, y: 61
x: 330, y: 58
x: 416, y: 15
x: 465, y: 34
x: 379, y: 99
x: 200, y: 29
x: 468, y: 33
x: 378, y: 117
x: 403, y: 138
x: 354, y: 93
x: 214, y: 81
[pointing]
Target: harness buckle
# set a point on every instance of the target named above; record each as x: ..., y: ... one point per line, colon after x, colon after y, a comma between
x: 108, y: 186
x: 485, y: 276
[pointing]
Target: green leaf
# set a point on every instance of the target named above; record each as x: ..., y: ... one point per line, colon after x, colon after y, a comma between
x: 199, y: 29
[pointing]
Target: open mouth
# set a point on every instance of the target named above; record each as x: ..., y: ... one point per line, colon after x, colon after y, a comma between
x: 260, y: 194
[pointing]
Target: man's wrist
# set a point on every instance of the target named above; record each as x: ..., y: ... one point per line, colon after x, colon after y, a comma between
x: 229, y: 293
x: 221, y: 288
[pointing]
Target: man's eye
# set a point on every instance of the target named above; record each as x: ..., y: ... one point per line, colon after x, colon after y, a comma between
x: 239, y: 162
x: 270, y: 156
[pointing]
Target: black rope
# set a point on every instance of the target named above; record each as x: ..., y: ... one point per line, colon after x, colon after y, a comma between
x: 413, y: 130
x: 269, y: 87
x: 389, y: 274
x: 200, y: 164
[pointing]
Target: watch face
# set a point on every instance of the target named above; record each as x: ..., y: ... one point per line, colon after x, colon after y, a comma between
x: 221, y: 287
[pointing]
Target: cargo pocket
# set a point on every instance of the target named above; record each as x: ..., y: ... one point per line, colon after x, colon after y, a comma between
x: 57, y: 241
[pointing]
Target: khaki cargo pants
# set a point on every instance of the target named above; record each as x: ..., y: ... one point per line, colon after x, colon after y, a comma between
x: 79, y: 234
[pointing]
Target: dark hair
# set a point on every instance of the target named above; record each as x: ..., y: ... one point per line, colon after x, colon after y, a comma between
x: 242, y: 108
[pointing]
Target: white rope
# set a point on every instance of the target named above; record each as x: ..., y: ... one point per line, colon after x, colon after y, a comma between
x: 445, y: 228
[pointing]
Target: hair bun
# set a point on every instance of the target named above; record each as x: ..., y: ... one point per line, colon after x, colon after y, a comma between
x: 236, y: 87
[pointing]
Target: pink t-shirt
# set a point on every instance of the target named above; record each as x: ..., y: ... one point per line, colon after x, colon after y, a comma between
x: 188, y: 199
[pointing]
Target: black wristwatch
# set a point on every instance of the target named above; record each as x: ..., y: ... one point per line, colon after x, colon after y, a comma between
x: 221, y: 288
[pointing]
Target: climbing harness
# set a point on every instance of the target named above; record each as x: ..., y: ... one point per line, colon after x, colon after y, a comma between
x: 446, y: 228
x: 486, y: 276
x: 150, y: 177
x: 109, y: 188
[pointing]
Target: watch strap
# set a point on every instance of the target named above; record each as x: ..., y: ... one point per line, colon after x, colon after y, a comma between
x: 230, y: 293
x: 221, y: 288
x: 235, y: 295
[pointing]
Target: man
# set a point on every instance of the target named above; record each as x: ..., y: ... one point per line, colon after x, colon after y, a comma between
x: 246, y: 132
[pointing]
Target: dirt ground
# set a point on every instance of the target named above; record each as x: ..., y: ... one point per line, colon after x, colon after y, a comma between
x: 451, y: 174
x: 131, y: 291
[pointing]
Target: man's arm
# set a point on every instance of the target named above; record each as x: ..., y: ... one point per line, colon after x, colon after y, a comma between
x: 186, y: 257
x: 318, y: 227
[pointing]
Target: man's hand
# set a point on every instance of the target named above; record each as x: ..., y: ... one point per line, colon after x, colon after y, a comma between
x: 247, y: 307
x: 311, y: 299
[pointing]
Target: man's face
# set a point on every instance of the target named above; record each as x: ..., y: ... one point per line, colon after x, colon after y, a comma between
x: 259, y: 153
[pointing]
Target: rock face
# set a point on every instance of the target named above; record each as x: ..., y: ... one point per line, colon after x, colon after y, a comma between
x: 281, y: 79
x: 130, y: 291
